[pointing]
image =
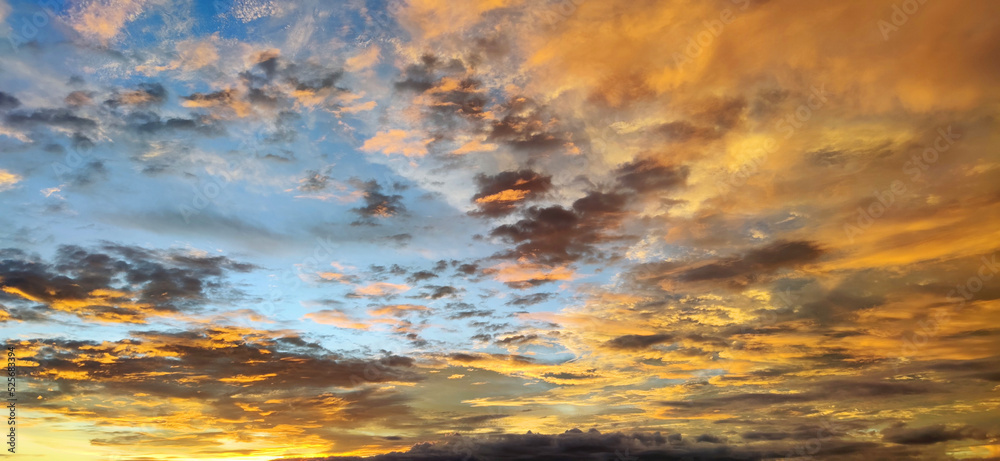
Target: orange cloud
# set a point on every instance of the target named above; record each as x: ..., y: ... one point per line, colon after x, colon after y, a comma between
x: 381, y: 289
x: 102, y: 20
x: 400, y: 142
x: 363, y: 60
x: 523, y: 273
x: 397, y: 310
x: 509, y: 195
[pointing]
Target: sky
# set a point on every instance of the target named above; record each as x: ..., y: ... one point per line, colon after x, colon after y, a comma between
x: 501, y: 229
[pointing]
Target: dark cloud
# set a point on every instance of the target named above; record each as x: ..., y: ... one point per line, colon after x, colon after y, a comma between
x: 647, y: 175
x: 709, y: 438
x: 708, y: 120
x: 8, y: 101
x: 564, y: 375
x: 377, y: 204
x: 313, y: 182
x: 439, y: 291
x: 144, y: 95
x: 529, y: 300
x: 516, y: 340
x: 81, y: 143
x: 844, y: 298
x: 472, y: 358
x: 639, y: 341
x: 472, y: 313
x: 58, y: 118
x: 272, y: 88
x: 557, y: 235
x: 321, y: 82
x: 736, y: 271
x: 812, y: 394
x: 593, y: 445
x: 149, y: 123
x: 683, y: 131
x: 424, y: 75
x: 503, y: 193
x: 451, y: 101
x: 932, y: 434
x: 225, y: 97
x: 468, y: 269
x: 528, y: 127
x: 420, y: 276
x: 467, y: 99
x: 762, y: 260
x: 115, y: 283
x: 26, y: 313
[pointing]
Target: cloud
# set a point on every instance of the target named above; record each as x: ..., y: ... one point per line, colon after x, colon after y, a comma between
x: 336, y: 318
x: 646, y: 175
x: 8, y: 101
x: 233, y: 373
x: 683, y: 203
x: 556, y: 234
x: 737, y: 271
x: 439, y: 291
x: 103, y: 20
x: 529, y: 127
x: 363, y: 60
x: 150, y: 124
x: 501, y: 194
x: 528, y: 300
x: 313, y: 182
x: 146, y: 94
x: 380, y: 289
x: 397, y: 310
x: 400, y: 142
x: 377, y: 204
x: 932, y: 434
x: 639, y: 341
x: 595, y: 445
x: 766, y: 259
x: 115, y: 283
x: 421, y: 276
x: 474, y: 145
x: 524, y: 275
x: 8, y: 180
x: 58, y: 118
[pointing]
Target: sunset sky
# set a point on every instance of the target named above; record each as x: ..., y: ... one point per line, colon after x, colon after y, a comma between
x: 639, y: 229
